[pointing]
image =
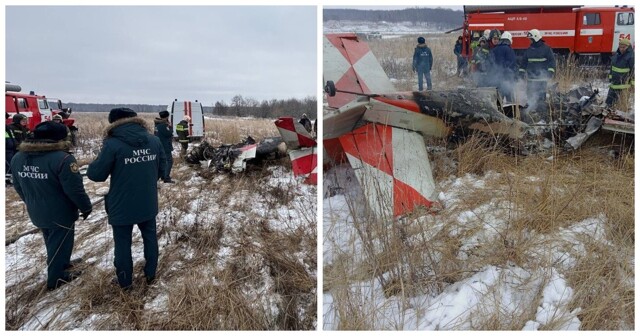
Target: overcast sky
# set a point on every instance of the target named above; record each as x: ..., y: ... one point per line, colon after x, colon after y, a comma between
x: 153, y: 54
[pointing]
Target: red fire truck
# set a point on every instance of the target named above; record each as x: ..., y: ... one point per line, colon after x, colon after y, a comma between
x: 35, y: 107
x: 591, y: 33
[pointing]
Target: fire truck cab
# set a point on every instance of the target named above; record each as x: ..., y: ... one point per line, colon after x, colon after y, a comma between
x: 591, y: 33
x: 37, y: 108
x: 33, y: 106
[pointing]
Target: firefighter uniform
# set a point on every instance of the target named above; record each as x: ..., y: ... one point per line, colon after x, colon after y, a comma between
x: 47, y: 179
x: 503, y: 67
x: 135, y: 159
x: 539, y: 64
x: 163, y: 132
x: 621, y: 74
x: 183, y: 134
x: 20, y: 132
x: 480, y: 63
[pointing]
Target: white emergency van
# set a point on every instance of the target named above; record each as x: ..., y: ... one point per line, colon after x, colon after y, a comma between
x: 178, y: 109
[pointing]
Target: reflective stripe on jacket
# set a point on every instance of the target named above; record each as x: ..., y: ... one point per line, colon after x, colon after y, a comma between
x: 538, y: 62
x: 621, y: 74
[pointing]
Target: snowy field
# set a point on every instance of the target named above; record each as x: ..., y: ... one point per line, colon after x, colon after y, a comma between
x: 462, y: 305
x: 538, y: 243
x: 236, y: 252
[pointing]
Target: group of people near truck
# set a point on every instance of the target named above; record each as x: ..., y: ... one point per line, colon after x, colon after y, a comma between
x: 494, y: 64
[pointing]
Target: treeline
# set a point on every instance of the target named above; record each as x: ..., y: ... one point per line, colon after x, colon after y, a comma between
x: 237, y: 107
x: 445, y: 17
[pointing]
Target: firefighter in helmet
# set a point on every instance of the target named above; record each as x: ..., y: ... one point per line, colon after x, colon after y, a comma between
x: 503, y: 67
x: 182, y: 128
x: 494, y: 38
x: 19, y: 128
x: 539, y: 65
x: 58, y: 119
x: 621, y: 74
x: 480, y: 63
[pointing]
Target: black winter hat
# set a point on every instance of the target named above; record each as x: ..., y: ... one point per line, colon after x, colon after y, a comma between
x: 121, y: 112
x: 420, y: 39
x: 50, y: 130
x: 164, y: 114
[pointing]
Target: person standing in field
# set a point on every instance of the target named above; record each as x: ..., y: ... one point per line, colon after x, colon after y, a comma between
x: 19, y: 128
x: 621, y: 74
x: 461, y: 60
x: 503, y: 67
x: 539, y: 65
x: 47, y: 179
x: 163, y: 132
x: 135, y: 160
x: 422, y: 62
x: 183, y: 134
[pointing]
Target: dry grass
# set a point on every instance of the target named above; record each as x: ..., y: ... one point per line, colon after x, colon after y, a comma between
x: 236, y: 252
x: 538, y: 198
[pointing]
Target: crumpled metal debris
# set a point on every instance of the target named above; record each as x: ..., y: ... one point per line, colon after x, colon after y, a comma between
x: 234, y: 157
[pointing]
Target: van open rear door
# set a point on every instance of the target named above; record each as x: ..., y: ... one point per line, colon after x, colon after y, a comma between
x: 178, y: 109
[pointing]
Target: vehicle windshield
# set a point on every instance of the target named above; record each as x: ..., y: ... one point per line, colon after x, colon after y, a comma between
x: 54, y: 104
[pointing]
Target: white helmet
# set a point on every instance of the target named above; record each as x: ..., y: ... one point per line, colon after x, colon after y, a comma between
x: 535, y: 35
x: 506, y: 36
x: 187, y: 117
x: 486, y: 34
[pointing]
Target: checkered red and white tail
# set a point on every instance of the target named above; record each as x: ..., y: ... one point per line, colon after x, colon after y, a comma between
x: 351, y: 65
x: 392, y: 167
x: 302, y: 149
x: 294, y: 134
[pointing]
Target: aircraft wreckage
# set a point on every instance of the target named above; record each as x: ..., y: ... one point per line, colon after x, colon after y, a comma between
x: 234, y: 158
x: 379, y: 131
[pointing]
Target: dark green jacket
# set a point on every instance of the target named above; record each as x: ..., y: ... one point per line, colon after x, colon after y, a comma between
x: 135, y: 159
x: 163, y: 132
x: 46, y: 177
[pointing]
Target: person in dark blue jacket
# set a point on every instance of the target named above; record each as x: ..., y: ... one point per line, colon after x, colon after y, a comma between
x: 422, y: 62
x: 163, y: 132
x: 503, y: 67
x: 539, y: 65
x: 47, y: 179
x: 621, y: 75
x: 462, y: 62
x: 135, y: 159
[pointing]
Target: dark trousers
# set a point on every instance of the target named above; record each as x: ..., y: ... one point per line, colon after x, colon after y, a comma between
x: 185, y: 146
x: 427, y: 75
x: 169, y: 165
x: 123, y: 260
x: 612, y: 96
x: 59, y: 244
